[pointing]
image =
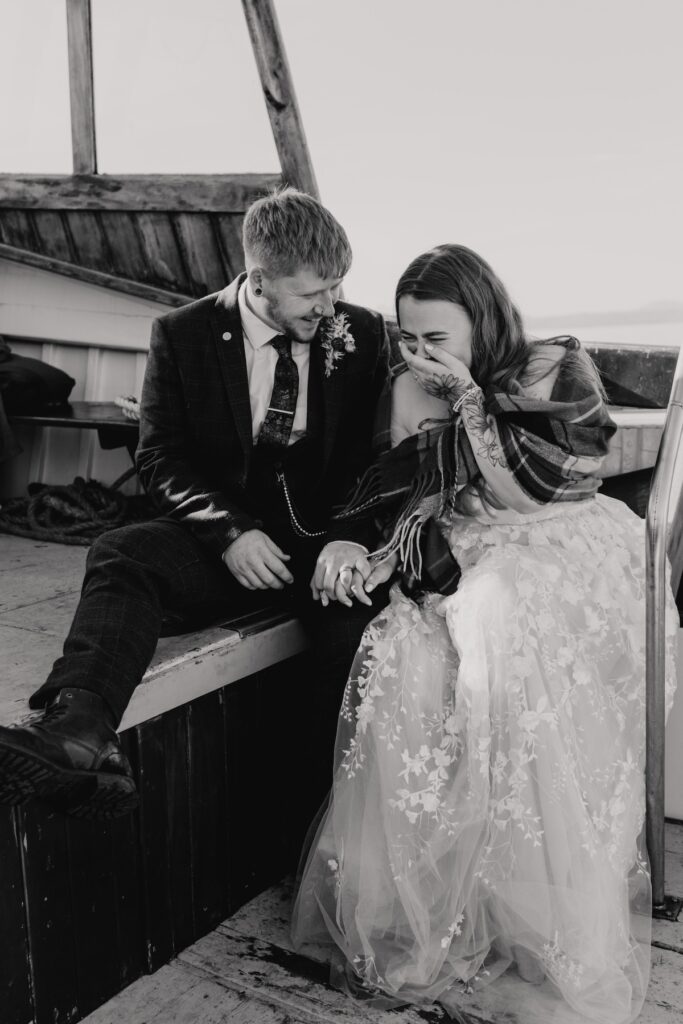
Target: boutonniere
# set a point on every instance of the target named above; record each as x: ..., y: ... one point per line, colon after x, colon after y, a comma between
x: 337, y: 341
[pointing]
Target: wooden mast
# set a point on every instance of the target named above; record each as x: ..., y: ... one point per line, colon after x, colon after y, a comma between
x: 278, y: 89
x: 170, y: 236
x: 81, y: 88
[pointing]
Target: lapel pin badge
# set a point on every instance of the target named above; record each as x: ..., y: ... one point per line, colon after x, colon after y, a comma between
x: 227, y: 335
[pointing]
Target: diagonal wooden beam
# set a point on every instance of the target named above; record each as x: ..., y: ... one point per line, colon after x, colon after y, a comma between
x: 79, y: 26
x: 278, y: 89
x: 78, y: 273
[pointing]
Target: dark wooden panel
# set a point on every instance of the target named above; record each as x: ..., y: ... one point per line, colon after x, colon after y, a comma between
x: 50, y: 917
x: 176, y: 741
x: 108, y: 901
x: 205, y: 193
x: 243, y: 703
x: 200, y: 251
x: 127, y: 879
x: 267, y: 832
x: 52, y: 236
x: 16, y: 228
x: 15, y: 1002
x: 229, y: 230
x: 208, y: 801
x: 160, y: 246
x: 89, y: 242
x: 154, y: 844
x: 103, y: 280
x: 81, y: 86
x: 94, y: 912
x: 123, y: 241
x: 287, y: 737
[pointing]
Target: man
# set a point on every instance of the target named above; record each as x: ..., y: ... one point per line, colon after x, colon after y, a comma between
x: 256, y: 420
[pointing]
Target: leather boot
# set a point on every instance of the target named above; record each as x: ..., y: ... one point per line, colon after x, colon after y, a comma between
x: 70, y: 757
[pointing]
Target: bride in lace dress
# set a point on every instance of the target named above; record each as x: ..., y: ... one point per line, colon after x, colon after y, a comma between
x: 483, y: 838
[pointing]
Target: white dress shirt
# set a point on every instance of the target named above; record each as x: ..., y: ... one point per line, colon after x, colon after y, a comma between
x: 261, y: 360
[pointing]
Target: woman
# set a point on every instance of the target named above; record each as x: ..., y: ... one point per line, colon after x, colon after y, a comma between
x: 488, y: 797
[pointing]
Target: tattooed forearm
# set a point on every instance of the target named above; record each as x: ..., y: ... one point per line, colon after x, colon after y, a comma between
x: 482, y: 435
x: 446, y: 386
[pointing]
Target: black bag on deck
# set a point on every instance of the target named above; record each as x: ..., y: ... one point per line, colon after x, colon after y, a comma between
x: 30, y: 385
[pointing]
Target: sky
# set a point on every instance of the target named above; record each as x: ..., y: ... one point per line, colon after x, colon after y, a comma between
x: 545, y: 134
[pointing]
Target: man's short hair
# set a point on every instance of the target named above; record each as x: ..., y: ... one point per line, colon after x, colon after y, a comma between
x: 288, y: 230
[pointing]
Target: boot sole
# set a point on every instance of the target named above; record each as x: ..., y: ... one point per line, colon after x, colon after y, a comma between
x: 82, y: 794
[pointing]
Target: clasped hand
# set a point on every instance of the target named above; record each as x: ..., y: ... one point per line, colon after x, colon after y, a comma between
x: 343, y: 570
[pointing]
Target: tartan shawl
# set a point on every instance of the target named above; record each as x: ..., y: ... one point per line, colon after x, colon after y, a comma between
x: 553, y: 448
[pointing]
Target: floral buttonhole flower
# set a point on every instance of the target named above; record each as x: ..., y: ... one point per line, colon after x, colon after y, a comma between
x: 337, y: 341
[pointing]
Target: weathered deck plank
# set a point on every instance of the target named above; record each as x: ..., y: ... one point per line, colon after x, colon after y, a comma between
x: 32, y: 571
x: 249, y: 957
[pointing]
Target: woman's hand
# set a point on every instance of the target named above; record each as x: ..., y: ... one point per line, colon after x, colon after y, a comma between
x: 338, y: 564
x: 442, y: 375
x: 362, y: 583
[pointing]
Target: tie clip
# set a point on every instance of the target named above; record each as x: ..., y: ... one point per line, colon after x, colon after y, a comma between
x: 285, y: 412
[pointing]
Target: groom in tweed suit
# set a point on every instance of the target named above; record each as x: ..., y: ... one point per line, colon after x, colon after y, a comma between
x: 256, y: 419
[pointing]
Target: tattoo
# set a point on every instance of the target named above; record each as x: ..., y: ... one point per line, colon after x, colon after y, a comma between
x: 446, y: 386
x: 482, y: 431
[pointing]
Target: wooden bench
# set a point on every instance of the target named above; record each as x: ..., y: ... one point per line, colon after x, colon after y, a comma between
x: 216, y: 734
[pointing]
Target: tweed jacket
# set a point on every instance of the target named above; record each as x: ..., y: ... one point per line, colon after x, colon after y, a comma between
x: 196, y: 442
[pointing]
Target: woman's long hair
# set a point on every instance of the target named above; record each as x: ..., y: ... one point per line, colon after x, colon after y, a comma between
x: 501, y: 352
x: 502, y: 356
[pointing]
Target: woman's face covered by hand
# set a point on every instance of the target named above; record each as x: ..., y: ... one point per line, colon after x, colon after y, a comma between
x: 443, y: 325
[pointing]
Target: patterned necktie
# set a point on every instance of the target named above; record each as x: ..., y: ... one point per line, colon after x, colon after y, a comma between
x: 277, y: 426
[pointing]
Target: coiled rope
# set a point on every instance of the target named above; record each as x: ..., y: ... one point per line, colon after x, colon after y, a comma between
x: 129, y: 406
x: 73, y: 513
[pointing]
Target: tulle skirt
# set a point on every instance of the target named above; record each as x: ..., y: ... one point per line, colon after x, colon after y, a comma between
x: 486, y: 815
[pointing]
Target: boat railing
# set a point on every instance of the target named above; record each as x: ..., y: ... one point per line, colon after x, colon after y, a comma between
x: 664, y: 537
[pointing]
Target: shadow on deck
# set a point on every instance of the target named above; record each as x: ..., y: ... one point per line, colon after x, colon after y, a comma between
x: 245, y: 972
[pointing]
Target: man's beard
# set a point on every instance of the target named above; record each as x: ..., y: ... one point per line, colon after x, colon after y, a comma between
x: 291, y: 327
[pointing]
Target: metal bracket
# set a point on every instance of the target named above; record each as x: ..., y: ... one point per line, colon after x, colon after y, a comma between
x: 668, y: 910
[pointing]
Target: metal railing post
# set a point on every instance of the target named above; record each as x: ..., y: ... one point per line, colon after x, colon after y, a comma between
x: 663, y: 535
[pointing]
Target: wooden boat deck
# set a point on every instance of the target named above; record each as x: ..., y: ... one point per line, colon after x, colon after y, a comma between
x: 245, y: 972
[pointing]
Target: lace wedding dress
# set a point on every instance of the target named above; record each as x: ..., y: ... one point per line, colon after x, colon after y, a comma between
x: 485, y: 821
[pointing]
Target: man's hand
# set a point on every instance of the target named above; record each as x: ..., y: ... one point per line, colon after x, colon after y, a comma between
x: 257, y: 562
x: 334, y: 571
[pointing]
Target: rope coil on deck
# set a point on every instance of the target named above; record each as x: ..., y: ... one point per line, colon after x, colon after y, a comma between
x: 74, y: 513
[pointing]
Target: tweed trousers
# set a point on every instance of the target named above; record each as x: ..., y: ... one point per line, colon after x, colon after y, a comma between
x: 136, y: 573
